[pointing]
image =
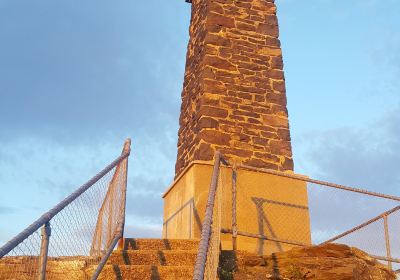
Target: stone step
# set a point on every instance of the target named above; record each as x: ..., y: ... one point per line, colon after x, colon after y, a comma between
x: 160, y: 244
x: 154, y: 257
x: 144, y: 272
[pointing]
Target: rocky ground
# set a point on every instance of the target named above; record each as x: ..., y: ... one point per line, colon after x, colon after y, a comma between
x: 158, y: 259
x: 331, y: 261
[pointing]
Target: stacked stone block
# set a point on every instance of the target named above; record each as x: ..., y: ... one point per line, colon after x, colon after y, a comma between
x: 234, y: 96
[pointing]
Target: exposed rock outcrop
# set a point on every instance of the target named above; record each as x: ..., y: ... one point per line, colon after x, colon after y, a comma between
x: 327, y: 262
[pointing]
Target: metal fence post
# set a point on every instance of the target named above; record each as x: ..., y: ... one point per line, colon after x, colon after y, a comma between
x: 44, y: 249
x: 127, y: 148
x: 387, y: 239
x: 234, y: 208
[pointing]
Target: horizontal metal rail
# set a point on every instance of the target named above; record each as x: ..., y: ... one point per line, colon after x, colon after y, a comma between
x: 260, y: 236
x: 319, y: 182
x: 397, y: 208
x: 45, y: 218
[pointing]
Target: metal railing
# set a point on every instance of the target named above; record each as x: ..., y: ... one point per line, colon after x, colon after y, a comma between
x: 77, y: 236
x: 312, y: 212
x: 207, y: 259
x: 280, y: 211
x: 382, y: 218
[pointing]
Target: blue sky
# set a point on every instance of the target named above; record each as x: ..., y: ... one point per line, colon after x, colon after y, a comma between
x: 77, y: 78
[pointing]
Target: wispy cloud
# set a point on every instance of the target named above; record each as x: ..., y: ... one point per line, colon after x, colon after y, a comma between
x: 366, y: 156
x: 73, y: 90
x: 84, y: 78
x: 4, y: 210
x: 44, y: 172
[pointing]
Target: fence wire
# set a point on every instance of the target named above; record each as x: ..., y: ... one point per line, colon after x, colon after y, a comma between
x: 22, y: 262
x: 378, y: 237
x: 80, y: 233
x: 281, y: 213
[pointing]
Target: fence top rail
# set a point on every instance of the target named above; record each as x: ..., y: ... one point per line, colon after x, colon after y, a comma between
x: 319, y: 182
x: 291, y: 176
x: 46, y: 217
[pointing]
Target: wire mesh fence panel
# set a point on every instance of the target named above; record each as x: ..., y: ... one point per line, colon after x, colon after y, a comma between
x: 78, y: 230
x: 334, y: 211
x: 277, y: 213
x: 272, y: 215
x: 23, y: 261
x: 74, y: 227
x: 354, y: 219
x: 212, y: 262
x: 109, y: 213
x: 394, y: 237
x: 370, y: 239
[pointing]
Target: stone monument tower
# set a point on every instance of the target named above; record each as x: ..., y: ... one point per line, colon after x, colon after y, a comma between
x: 234, y: 97
x: 233, y: 101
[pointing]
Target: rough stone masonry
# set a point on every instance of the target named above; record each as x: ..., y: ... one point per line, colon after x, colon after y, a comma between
x: 234, y: 97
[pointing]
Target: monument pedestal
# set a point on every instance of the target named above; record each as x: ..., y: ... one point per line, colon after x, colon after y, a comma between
x: 267, y: 205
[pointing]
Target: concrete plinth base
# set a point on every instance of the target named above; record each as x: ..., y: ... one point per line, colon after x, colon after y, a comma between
x: 268, y: 206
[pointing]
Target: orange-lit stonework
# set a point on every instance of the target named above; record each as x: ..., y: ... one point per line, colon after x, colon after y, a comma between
x: 234, y: 96
x: 234, y: 101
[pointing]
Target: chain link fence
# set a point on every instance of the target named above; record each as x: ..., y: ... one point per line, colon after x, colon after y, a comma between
x: 73, y: 237
x: 275, y: 211
x: 379, y: 237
